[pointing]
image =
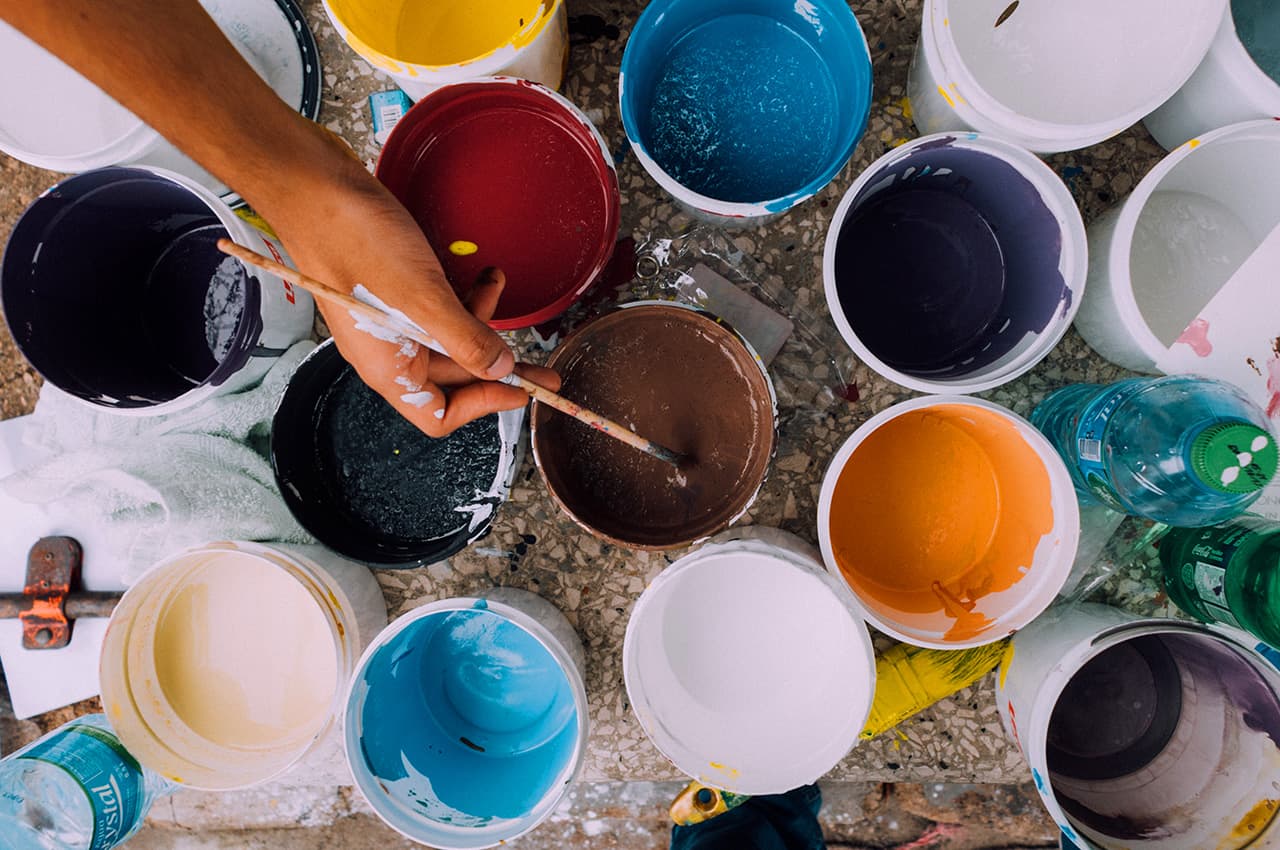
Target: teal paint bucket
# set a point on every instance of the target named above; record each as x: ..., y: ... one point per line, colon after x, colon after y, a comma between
x: 467, y: 721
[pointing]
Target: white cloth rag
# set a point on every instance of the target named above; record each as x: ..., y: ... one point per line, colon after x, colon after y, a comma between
x: 160, y: 484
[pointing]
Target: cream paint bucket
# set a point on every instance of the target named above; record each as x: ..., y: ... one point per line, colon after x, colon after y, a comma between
x: 1159, y: 257
x: 466, y: 720
x: 226, y: 665
x: 1231, y: 85
x: 1053, y: 76
x: 426, y: 45
x: 1146, y: 734
x: 952, y: 519
x: 747, y: 665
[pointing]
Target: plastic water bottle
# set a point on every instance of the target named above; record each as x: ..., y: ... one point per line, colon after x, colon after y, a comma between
x: 1228, y: 573
x: 1182, y: 450
x: 76, y: 788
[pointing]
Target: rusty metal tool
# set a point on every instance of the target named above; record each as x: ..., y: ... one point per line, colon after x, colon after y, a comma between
x: 51, y: 602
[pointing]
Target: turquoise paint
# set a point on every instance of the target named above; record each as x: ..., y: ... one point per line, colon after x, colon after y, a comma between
x: 466, y: 719
x: 755, y: 102
x: 1258, y: 26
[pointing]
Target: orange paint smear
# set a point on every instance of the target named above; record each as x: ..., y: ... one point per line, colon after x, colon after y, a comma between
x: 938, y: 508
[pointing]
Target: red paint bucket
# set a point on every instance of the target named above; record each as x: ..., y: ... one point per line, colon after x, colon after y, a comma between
x: 517, y: 173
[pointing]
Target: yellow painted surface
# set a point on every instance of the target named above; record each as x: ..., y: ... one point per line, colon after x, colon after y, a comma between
x: 438, y: 32
x: 1250, y: 826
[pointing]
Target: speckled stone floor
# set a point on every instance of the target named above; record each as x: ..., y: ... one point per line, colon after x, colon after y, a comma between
x: 535, y: 547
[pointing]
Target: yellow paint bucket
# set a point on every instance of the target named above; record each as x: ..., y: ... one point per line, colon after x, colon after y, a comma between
x: 423, y: 46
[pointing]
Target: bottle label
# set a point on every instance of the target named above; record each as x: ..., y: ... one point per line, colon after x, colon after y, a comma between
x: 1088, y: 443
x: 105, y: 771
x: 1208, y: 581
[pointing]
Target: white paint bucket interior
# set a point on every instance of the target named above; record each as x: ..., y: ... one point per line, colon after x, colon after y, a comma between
x: 1157, y: 259
x: 726, y: 682
x: 1146, y: 733
x: 466, y: 719
x: 1054, y: 76
x: 1235, y: 82
x: 225, y: 665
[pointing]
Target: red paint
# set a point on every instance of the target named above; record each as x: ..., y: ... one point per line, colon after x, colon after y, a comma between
x: 1196, y: 335
x: 512, y: 169
x: 288, y: 287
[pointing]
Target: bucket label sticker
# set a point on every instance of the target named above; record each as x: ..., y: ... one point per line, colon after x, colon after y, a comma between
x: 1089, y: 430
x: 107, y: 774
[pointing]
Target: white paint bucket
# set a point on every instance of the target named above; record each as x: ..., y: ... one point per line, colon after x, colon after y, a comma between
x: 1230, y: 86
x: 1158, y: 258
x: 747, y: 665
x: 952, y: 519
x: 397, y: 38
x: 986, y: 283
x: 1053, y: 76
x: 226, y: 665
x: 114, y: 289
x: 467, y: 720
x: 1158, y: 734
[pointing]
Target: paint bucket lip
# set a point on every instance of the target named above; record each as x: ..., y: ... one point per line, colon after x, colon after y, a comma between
x: 1036, y: 134
x: 1130, y: 210
x: 773, y: 431
x: 787, y: 549
x: 386, y: 553
x: 578, y: 127
x: 1038, y: 595
x: 484, y: 65
x: 1073, y: 259
x: 751, y: 210
x: 1229, y: 50
x: 352, y: 747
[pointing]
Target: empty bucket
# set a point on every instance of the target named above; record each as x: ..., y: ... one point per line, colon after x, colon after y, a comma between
x: 115, y: 290
x: 369, y: 485
x: 1238, y: 80
x: 423, y: 46
x: 677, y: 376
x: 742, y: 110
x: 467, y: 718
x: 1155, y: 734
x: 1053, y: 76
x: 226, y: 665
x: 955, y: 263
x: 1160, y: 257
x: 506, y: 173
x: 747, y: 665
x: 952, y: 519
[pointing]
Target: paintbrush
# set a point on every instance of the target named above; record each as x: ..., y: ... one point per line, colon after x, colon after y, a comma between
x: 403, y: 327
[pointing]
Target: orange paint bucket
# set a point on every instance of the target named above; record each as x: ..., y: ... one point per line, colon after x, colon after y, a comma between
x: 951, y: 519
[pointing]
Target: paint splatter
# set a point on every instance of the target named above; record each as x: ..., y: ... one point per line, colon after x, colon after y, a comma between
x: 419, y: 399
x: 1007, y: 13
x: 1273, y: 387
x: 1196, y: 335
x: 463, y: 248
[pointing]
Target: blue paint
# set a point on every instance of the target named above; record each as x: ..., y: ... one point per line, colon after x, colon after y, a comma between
x: 1270, y: 653
x: 466, y: 719
x: 1039, y: 780
x: 1258, y: 26
x: 757, y: 102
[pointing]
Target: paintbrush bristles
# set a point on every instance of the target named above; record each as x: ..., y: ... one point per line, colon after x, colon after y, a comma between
x: 541, y: 393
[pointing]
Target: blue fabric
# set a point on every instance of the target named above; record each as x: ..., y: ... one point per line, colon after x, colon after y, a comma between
x: 773, y: 822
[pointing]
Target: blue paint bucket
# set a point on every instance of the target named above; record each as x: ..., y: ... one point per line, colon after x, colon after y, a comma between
x: 467, y: 718
x: 742, y: 109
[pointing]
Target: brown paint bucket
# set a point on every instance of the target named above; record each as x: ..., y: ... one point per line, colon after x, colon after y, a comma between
x: 680, y: 377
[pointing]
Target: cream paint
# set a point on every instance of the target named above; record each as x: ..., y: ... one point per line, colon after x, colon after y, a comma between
x: 243, y: 654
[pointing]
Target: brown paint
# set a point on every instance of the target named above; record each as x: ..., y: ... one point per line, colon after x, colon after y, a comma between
x: 680, y: 378
x: 938, y: 508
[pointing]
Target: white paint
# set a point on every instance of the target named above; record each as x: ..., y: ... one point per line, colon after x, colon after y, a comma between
x: 439, y: 414
x: 410, y: 385
x: 419, y: 399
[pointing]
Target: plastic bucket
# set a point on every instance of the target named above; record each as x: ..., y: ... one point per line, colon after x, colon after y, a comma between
x: 370, y: 485
x: 226, y: 665
x: 1053, y: 76
x: 467, y: 720
x: 52, y: 117
x: 741, y: 110
x: 114, y: 289
x: 955, y: 263
x: 748, y: 666
x: 1159, y: 257
x: 952, y: 519
x: 509, y: 174
x: 681, y: 378
x: 1237, y: 81
x: 1157, y: 734
x: 423, y: 46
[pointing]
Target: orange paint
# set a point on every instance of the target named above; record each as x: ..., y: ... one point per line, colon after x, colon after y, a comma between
x: 938, y: 508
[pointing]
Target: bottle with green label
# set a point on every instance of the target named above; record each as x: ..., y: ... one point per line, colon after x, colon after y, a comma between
x: 76, y: 788
x: 1227, y: 573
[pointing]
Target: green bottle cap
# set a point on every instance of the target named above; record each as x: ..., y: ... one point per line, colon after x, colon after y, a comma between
x: 1234, y: 457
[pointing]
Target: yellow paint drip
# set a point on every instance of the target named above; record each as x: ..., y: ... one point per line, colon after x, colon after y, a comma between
x: 946, y: 97
x: 1193, y: 144
x: 1251, y: 825
x: 463, y: 248
x: 905, y: 106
